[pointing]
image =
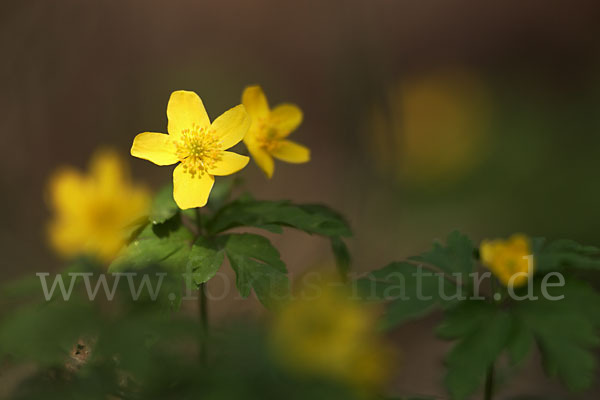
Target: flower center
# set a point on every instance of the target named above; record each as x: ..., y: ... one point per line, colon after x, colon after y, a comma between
x: 198, y: 150
x: 268, y: 140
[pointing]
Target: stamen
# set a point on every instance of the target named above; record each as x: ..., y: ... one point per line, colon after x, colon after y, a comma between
x: 198, y: 150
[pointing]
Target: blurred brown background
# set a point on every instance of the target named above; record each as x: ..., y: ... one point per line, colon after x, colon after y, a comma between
x: 422, y: 117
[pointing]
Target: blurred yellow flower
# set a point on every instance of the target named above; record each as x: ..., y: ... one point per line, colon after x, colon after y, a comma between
x: 434, y: 128
x: 197, y: 145
x: 333, y: 336
x: 94, y: 213
x: 508, y: 258
x: 270, y: 128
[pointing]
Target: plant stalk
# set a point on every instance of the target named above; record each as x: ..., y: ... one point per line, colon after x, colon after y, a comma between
x: 489, y: 383
x: 202, y: 303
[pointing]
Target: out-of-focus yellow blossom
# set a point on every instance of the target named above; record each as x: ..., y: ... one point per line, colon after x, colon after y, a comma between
x: 330, y: 335
x: 505, y: 258
x: 197, y: 145
x: 434, y: 128
x: 94, y: 213
x: 267, y: 136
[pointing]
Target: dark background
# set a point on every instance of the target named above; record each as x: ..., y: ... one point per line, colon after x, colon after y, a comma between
x: 422, y: 117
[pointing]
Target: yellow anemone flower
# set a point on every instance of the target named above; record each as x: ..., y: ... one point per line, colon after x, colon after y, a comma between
x: 94, y: 213
x: 329, y: 334
x: 197, y: 145
x: 508, y: 258
x: 270, y: 128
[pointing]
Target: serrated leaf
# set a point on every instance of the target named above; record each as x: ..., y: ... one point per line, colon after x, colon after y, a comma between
x: 566, y: 332
x: 482, y: 331
x: 410, y: 290
x: 315, y: 219
x: 564, y: 254
x: 258, y: 266
x: 167, y: 244
x: 520, y: 342
x: 163, y: 206
x: 205, y: 260
x: 456, y: 257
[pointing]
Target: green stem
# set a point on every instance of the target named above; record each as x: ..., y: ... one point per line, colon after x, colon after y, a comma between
x: 489, y: 383
x: 489, y: 379
x: 203, y: 317
x: 202, y: 302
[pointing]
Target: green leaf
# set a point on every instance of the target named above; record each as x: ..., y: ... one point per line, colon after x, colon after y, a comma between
x: 221, y: 191
x: 454, y: 258
x: 566, y: 331
x: 163, y: 206
x: 46, y: 332
x: 565, y: 254
x: 258, y: 266
x: 167, y: 244
x: 411, y: 290
x: 315, y: 219
x: 342, y: 255
x: 205, y: 260
x: 520, y: 343
x: 482, y: 331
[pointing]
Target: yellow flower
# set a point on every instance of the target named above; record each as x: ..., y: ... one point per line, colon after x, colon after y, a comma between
x: 331, y: 335
x: 94, y: 213
x: 197, y: 145
x: 270, y: 128
x: 505, y: 258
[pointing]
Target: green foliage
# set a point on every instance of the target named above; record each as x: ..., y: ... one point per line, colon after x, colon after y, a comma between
x: 482, y: 331
x: 205, y: 259
x: 456, y: 257
x: 566, y: 254
x: 411, y: 291
x: 564, y: 325
x: 167, y: 244
x: 343, y: 260
x: 257, y: 266
x: 566, y: 331
x: 163, y: 205
x: 270, y: 215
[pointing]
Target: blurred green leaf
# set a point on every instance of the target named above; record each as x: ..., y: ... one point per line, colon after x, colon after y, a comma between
x: 482, y: 331
x: 221, y: 191
x: 412, y: 291
x: 342, y: 255
x: 314, y: 219
x: 163, y: 206
x: 258, y: 266
x: 566, y: 331
x: 564, y: 254
x: 456, y: 257
x: 46, y: 333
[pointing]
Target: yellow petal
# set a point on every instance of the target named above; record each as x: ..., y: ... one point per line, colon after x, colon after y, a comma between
x: 230, y: 163
x: 285, y: 118
x: 231, y: 126
x: 67, y: 190
x: 291, y: 152
x: 255, y: 102
x: 190, y: 192
x: 184, y: 110
x: 108, y: 172
x: 261, y: 158
x: 154, y: 147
